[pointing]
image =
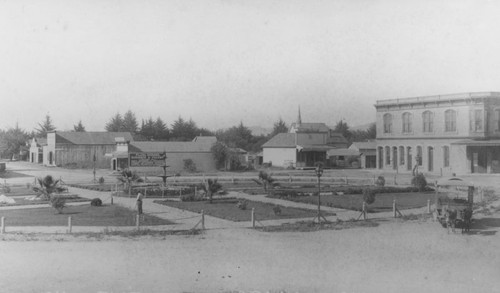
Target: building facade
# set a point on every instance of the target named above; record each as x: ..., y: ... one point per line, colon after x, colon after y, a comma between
x: 446, y: 134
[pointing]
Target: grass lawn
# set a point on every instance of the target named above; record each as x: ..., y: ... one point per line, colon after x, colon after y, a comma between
x: 85, y: 215
x: 383, y: 202
x: 229, y: 211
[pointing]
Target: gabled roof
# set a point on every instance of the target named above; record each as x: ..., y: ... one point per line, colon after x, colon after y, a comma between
x: 365, y: 145
x: 281, y: 140
x: 195, y: 146
x: 310, y: 127
x: 91, y: 138
x: 336, y: 137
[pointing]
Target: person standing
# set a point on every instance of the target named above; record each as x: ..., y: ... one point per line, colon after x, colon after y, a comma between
x: 139, y: 203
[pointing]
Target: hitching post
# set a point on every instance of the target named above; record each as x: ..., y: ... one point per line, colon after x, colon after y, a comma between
x: 137, y: 222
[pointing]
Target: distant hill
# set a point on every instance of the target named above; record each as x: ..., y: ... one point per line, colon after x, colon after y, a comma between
x: 360, y: 127
x: 259, y: 130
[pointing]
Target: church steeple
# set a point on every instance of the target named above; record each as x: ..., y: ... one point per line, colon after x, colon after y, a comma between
x: 299, y: 119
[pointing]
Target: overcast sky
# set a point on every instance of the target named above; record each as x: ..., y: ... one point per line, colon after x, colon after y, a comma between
x: 222, y: 62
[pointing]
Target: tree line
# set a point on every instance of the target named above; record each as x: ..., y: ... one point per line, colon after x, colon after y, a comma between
x: 13, y: 140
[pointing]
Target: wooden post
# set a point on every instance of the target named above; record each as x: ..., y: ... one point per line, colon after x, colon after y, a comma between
x: 70, y: 225
x: 203, y: 219
x: 394, y: 207
x: 137, y: 222
x: 145, y: 192
x: 364, y: 210
x: 428, y: 206
x: 111, y: 199
x: 2, y: 229
x: 253, y: 218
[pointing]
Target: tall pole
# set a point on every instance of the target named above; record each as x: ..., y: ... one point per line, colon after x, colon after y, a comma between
x: 319, y: 199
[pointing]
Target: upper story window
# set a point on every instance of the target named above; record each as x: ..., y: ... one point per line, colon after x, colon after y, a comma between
x: 428, y: 120
x: 407, y: 122
x: 450, y: 120
x: 497, y: 119
x: 476, y: 120
x: 387, y: 123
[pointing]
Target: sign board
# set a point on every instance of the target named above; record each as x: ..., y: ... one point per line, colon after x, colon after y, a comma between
x: 147, y: 159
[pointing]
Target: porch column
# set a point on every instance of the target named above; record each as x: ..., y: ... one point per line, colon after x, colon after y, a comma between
x: 489, y: 158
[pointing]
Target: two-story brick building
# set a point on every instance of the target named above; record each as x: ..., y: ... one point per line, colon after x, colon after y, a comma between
x: 446, y: 134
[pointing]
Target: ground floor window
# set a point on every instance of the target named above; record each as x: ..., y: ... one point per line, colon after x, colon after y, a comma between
x: 430, y: 158
x: 401, y: 155
x: 387, y: 155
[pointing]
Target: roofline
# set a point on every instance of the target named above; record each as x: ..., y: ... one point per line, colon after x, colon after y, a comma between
x: 435, y: 98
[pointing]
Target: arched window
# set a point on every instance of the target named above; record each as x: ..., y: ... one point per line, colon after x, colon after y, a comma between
x: 387, y: 123
x: 387, y: 155
x: 446, y: 156
x: 401, y: 155
x: 407, y: 122
x: 450, y: 120
x: 428, y: 120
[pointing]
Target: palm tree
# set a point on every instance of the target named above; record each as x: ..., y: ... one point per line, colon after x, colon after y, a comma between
x: 211, y: 187
x: 266, y: 179
x: 49, y: 186
x: 128, y: 177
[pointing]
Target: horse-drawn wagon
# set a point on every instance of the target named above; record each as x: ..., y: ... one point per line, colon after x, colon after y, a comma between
x: 454, y: 199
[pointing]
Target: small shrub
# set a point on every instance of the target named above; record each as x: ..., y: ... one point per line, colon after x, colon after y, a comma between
x: 277, y: 210
x: 419, y: 181
x: 380, y: 181
x: 369, y: 195
x: 242, y: 204
x: 58, y: 203
x: 96, y: 202
x: 6, y: 189
x: 101, y: 180
x: 191, y: 197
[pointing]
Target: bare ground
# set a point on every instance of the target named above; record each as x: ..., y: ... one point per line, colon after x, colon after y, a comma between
x: 396, y: 256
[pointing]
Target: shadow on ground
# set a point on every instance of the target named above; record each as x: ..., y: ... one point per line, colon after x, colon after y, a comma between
x: 485, y: 226
x: 10, y: 174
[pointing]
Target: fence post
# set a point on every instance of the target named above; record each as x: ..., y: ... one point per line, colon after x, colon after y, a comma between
x: 428, y: 206
x: 70, y: 225
x: 394, y: 207
x: 137, y: 222
x: 253, y: 217
x: 2, y: 230
x: 364, y: 210
x: 203, y: 219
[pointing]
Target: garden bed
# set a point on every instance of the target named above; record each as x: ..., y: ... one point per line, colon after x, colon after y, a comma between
x: 21, y: 200
x: 383, y: 201
x: 305, y: 226
x: 228, y: 210
x: 106, y: 216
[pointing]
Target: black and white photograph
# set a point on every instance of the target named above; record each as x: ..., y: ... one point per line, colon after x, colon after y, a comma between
x: 249, y: 146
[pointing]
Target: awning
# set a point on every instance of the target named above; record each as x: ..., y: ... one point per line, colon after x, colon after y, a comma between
x: 342, y: 152
x: 472, y: 142
x: 314, y: 148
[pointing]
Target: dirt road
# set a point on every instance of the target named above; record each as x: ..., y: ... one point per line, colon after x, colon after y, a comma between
x: 393, y: 257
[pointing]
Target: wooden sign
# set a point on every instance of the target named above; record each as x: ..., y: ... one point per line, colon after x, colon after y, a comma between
x: 147, y: 159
